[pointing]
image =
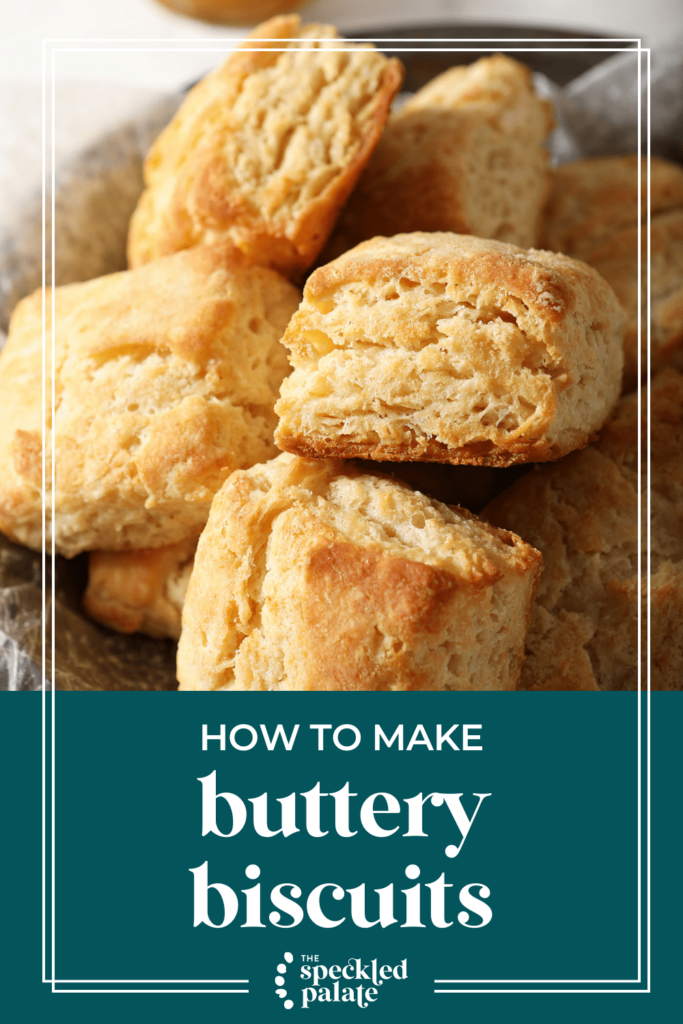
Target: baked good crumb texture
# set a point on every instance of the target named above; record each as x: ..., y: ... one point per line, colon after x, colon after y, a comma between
x: 442, y: 347
x: 266, y: 149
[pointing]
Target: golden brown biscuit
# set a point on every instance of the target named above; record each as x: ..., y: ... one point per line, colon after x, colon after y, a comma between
x: 448, y: 348
x: 593, y: 199
x: 165, y: 382
x: 582, y: 513
x: 315, y: 576
x: 617, y: 261
x: 464, y: 154
x: 266, y: 149
x: 140, y: 591
x: 593, y: 215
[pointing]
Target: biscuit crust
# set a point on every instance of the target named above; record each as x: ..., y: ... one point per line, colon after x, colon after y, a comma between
x: 312, y: 575
x: 164, y: 384
x: 464, y: 154
x: 453, y: 349
x: 140, y: 591
x: 266, y: 149
x: 583, y: 515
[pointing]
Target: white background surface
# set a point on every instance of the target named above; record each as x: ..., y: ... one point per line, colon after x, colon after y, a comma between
x: 97, y: 91
x: 25, y: 22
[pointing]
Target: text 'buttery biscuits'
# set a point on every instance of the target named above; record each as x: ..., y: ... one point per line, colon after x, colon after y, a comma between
x: 448, y: 348
x: 164, y: 382
x: 266, y: 149
x: 311, y: 575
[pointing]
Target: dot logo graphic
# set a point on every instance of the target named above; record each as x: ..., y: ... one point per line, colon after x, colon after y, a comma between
x: 280, y: 990
x: 354, y: 981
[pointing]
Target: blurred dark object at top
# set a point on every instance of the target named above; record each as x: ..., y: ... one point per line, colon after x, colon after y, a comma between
x: 233, y: 12
x: 560, y: 66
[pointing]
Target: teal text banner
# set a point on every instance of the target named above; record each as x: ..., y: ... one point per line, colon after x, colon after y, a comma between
x: 272, y: 855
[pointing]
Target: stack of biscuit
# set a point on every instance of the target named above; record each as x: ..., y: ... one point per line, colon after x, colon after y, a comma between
x: 448, y: 342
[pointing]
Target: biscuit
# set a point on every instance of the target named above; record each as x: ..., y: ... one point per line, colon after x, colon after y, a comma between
x: 592, y: 200
x: 140, y: 591
x: 21, y: 423
x: 266, y: 149
x: 447, y: 348
x: 311, y: 575
x: 165, y: 382
x: 582, y: 513
x: 617, y: 261
x: 464, y: 154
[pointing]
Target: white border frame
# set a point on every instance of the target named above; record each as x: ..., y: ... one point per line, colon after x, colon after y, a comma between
x: 231, y: 44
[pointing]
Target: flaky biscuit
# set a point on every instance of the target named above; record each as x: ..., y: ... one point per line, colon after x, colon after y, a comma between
x: 464, y: 154
x: 593, y: 199
x: 448, y: 348
x: 582, y: 513
x: 140, y: 591
x: 266, y: 149
x: 165, y: 382
x: 617, y: 261
x: 315, y: 576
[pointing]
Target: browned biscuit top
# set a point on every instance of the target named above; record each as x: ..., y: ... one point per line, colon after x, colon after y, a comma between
x: 164, y: 383
x: 315, y: 575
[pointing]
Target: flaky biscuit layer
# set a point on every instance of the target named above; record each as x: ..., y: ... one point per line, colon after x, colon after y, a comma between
x: 266, y: 149
x: 441, y: 347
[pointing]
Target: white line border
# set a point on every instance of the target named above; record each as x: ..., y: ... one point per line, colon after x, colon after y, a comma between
x: 152, y: 991
x: 231, y: 44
